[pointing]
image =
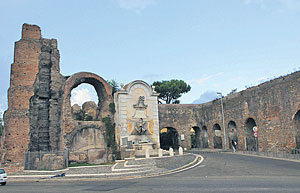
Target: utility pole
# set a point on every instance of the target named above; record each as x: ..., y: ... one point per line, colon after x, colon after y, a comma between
x: 224, y: 129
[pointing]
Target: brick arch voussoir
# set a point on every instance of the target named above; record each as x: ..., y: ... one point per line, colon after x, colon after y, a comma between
x: 86, y: 77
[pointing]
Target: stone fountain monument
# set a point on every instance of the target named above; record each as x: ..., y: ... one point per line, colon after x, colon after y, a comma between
x: 137, y: 128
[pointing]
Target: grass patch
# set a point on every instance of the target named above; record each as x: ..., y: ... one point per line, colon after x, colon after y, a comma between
x: 87, y: 164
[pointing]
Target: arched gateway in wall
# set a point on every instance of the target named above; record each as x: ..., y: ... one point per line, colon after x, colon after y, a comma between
x: 39, y: 116
x: 86, y: 137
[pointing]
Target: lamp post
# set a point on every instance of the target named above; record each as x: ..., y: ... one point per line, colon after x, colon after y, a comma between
x: 225, y: 144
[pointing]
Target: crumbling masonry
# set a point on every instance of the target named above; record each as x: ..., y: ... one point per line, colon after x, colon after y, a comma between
x: 39, y: 115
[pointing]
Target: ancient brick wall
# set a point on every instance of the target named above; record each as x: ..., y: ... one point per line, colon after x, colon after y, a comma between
x: 39, y: 112
x: 23, y: 73
x: 272, y: 105
x: 45, y: 105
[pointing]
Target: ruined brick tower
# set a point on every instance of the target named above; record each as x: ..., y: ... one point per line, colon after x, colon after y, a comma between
x: 23, y: 74
x: 39, y: 117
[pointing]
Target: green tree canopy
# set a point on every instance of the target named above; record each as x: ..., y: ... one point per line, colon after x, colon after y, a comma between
x: 81, y: 115
x: 115, y: 86
x: 170, y: 90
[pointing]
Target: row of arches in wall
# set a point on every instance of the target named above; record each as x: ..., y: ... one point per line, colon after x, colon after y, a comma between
x: 169, y: 136
x: 200, y: 135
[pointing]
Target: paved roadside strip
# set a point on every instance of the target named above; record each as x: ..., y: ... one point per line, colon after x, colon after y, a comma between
x: 127, y: 169
x: 263, y: 156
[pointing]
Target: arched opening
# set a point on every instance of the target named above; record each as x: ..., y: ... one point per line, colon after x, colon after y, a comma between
x: 195, y: 137
x: 83, y: 138
x: 87, y: 145
x: 84, y: 100
x: 232, y: 133
x: 204, y: 137
x: 297, y: 125
x: 95, y: 83
x: 169, y: 138
x: 250, y: 139
x: 217, y: 136
x: 89, y: 138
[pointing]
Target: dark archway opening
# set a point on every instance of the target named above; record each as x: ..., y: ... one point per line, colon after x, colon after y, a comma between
x: 297, y: 124
x: 250, y: 139
x: 217, y: 136
x: 195, y: 137
x: 169, y: 138
x: 204, y: 137
x: 232, y: 133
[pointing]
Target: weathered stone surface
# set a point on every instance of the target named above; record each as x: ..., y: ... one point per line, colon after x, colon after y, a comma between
x: 90, y: 108
x: 46, y: 109
x: 75, y: 108
x: 39, y: 114
x: 23, y: 73
x: 136, y: 116
x: 272, y: 105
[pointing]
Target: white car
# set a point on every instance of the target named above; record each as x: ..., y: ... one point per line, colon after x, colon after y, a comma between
x: 3, y: 177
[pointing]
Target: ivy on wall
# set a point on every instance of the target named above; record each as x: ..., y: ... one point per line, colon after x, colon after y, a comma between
x: 110, y: 133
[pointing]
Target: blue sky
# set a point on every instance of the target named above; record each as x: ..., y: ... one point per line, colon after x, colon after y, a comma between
x: 214, y: 45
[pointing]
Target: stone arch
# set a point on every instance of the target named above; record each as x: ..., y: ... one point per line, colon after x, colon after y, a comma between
x: 104, y: 92
x: 296, y: 119
x: 103, y: 89
x: 169, y: 139
x: 86, y: 143
x: 204, y: 136
x: 217, y: 136
x: 250, y: 139
x: 232, y: 133
x: 70, y: 137
x: 195, y: 137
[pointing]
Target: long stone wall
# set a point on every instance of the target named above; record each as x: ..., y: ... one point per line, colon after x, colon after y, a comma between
x: 39, y: 116
x: 272, y: 105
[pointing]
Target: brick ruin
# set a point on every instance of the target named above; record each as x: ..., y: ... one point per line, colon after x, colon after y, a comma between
x: 272, y: 106
x: 39, y: 114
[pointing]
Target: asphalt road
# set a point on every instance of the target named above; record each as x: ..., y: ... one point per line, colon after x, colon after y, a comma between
x: 220, y: 172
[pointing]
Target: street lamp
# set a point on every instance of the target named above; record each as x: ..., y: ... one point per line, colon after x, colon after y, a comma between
x: 225, y: 144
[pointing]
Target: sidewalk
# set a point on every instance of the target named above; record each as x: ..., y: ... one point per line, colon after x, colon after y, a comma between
x: 270, y: 155
x: 123, y: 169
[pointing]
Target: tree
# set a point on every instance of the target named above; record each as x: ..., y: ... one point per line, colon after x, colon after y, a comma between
x: 170, y: 90
x: 81, y: 115
x: 233, y: 91
x: 115, y: 86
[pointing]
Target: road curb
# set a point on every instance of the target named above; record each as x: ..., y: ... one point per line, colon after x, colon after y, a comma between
x: 91, y: 177
x: 254, y: 155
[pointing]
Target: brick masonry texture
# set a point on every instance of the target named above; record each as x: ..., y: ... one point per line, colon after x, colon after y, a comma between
x: 272, y: 105
x: 39, y: 114
x: 23, y: 73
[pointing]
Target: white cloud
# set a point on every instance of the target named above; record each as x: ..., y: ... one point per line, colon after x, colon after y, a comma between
x: 135, y: 5
x: 204, y: 78
x: 79, y: 96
